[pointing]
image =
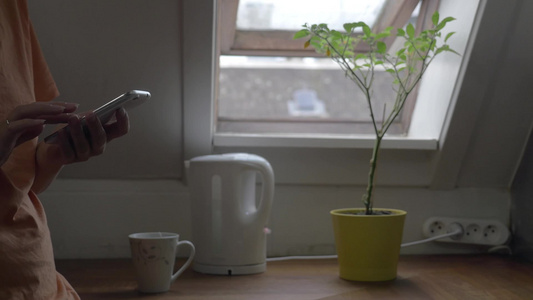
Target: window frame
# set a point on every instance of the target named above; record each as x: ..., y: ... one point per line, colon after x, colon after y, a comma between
x: 232, y: 41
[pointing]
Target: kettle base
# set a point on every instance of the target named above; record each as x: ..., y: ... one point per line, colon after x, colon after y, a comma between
x: 229, y: 270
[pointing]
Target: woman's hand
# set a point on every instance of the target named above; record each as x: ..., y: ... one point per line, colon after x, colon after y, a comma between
x: 82, y: 142
x: 76, y: 145
x: 26, y: 122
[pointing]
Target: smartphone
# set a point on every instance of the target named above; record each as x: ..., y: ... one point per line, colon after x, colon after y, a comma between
x: 127, y: 101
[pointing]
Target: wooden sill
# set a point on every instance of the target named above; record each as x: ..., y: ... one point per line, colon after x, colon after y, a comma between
x: 419, y: 277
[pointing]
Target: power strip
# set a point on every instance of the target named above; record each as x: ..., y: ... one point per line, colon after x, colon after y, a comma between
x: 475, y: 231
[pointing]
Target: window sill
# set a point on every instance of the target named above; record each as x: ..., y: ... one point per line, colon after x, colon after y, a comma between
x: 318, y: 141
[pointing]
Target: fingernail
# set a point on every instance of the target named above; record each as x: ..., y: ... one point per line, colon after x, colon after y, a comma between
x: 68, y: 103
x: 59, y: 108
x: 73, y: 120
x: 90, y: 116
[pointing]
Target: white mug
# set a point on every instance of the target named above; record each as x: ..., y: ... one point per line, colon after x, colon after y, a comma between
x: 154, y: 255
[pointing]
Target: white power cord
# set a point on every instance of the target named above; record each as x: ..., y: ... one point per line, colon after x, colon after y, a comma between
x: 458, y: 231
x: 301, y: 257
x: 498, y: 249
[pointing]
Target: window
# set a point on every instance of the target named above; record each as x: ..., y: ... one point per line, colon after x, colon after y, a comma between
x: 268, y: 83
x: 431, y: 156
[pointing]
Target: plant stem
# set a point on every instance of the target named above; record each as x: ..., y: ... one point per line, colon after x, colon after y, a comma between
x: 367, y: 198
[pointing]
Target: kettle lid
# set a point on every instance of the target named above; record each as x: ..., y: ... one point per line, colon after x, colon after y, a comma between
x: 228, y: 157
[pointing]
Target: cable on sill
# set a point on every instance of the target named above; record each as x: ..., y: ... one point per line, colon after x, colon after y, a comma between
x: 458, y: 231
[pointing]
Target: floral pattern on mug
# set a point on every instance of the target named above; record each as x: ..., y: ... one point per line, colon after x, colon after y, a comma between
x: 148, y: 252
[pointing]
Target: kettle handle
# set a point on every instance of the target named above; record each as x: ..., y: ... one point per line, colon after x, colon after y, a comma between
x: 267, y: 194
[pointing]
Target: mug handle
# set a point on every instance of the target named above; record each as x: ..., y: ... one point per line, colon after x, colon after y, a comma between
x: 187, y: 263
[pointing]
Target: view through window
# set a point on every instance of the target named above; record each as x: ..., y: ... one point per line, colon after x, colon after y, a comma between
x: 269, y: 84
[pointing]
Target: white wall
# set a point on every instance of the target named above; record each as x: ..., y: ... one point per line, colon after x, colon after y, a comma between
x: 445, y: 73
x: 135, y: 186
x: 98, y: 50
x: 92, y: 218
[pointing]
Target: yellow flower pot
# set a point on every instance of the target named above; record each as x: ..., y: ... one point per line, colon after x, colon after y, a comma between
x: 368, y: 247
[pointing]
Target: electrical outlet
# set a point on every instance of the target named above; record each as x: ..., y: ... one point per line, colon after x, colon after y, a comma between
x: 475, y: 231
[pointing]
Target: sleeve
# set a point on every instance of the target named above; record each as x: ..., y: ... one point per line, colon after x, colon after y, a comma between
x: 44, y: 85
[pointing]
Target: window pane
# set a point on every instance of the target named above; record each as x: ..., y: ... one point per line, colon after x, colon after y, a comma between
x: 282, y: 94
x: 300, y: 94
x: 292, y: 14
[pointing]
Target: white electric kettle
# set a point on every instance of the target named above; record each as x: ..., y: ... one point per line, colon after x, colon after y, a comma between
x: 228, y: 222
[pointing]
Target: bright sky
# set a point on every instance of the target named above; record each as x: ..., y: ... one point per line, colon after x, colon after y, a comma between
x: 292, y: 14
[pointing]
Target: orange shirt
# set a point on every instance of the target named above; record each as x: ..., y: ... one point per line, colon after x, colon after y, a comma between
x: 27, y: 268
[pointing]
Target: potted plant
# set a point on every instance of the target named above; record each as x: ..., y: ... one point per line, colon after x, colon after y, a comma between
x: 368, y: 239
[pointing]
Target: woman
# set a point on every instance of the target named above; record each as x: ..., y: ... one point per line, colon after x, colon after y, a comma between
x: 27, y: 167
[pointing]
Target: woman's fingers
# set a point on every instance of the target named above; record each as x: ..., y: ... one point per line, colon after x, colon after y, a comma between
x: 46, y: 111
x: 96, y: 134
x: 25, y: 130
x: 80, y: 143
x: 26, y: 122
x: 21, y: 125
x: 56, y: 119
x: 120, y: 127
x: 69, y: 107
x: 85, y: 136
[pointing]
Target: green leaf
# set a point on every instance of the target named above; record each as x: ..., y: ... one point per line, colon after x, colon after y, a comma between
x: 315, y: 45
x: 453, y: 51
x: 382, y: 47
x: 360, y: 56
x: 446, y: 20
x: 336, y: 34
x: 447, y: 49
x: 300, y: 34
x: 443, y: 23
x: 400, y: 52
x: 382, y: 35
x: 448, y: 36
x: 348, y: 53
x: 400, y: 32
x: 367, y: 30
x: 410, y: 30
x: 347, y: 27
x: 443, y: 48
x: 435, y: 18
